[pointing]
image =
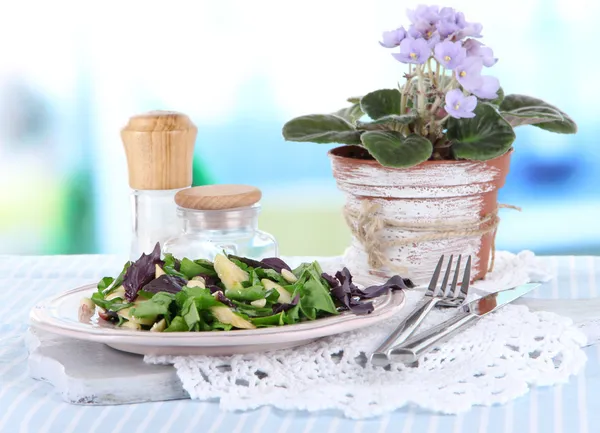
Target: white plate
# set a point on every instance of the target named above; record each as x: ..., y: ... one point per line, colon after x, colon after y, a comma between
x: 59, y: 315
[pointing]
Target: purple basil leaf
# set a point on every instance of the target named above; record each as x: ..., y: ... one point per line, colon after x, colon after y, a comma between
x: 214, y: 288
x: 394, y: 283
x: 278, y: 308
x: 165, y: 283
x: 275, y: 263
x: 362, y: 308
x: 209, y: 280
x: 223, y: 299
x: 250, y: 262
x: 141, y: 272
x: 333, y: 282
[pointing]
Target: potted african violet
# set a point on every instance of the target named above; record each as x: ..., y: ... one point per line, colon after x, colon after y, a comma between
x: 421, y: 164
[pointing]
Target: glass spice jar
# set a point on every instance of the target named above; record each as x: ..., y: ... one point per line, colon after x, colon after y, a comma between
x: 159, y: 146
x: 217, y: 218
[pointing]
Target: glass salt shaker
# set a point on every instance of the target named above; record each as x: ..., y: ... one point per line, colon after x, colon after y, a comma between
x: 220, y: 218
x: 159, y: 146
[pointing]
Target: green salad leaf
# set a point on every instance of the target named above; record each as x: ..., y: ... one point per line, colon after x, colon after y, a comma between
x: 231, y: 293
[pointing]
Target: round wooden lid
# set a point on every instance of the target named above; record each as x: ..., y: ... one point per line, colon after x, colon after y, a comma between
x: 218, y: 197
x: 159, y: 146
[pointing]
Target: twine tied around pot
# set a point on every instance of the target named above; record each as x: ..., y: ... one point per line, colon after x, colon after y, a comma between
x: 366, y: 226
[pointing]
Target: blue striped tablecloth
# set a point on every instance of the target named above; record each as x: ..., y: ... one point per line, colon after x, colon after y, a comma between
x: 30, y: 406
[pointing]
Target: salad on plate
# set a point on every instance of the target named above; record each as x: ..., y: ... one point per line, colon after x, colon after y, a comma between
x: 167, y: 294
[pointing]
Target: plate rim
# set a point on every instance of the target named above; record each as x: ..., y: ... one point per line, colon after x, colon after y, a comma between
x: 40, y: 318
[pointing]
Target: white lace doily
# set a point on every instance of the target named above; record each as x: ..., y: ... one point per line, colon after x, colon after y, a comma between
x: 494, y: 361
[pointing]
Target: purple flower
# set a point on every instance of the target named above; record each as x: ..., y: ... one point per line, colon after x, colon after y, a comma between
x: 450, y: 54
x: 460, y: 106
x: 433, y: 40
x: 468, y: 73
x: 471, y: 29
x: 428, y: 14
x: 477, y: 49
x: 422, y: 29
x: 450, y: 22
x: 488, y: 88
x: 413, y: 51
x: 393, y: 38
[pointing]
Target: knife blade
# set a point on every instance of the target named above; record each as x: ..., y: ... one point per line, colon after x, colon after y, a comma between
x: 411, y: 350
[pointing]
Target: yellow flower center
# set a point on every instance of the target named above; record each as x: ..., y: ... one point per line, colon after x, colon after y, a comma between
x: 429, y: 33
x: 456, y: 106
x: 463, y: 74
x: 413, y: 55
x: 447, y: 58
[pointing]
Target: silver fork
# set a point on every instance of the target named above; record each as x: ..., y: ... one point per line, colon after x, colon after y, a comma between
x: 443, y: 297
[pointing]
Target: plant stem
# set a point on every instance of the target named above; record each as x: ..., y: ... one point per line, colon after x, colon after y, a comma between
x: 421, y: 91
x: 438, y: 79
x: 430, y: 70
x: 441, y: 76
x: 444, y: 119
x: 436, y: 105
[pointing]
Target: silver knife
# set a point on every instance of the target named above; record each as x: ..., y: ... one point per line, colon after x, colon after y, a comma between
x: 412, y: 349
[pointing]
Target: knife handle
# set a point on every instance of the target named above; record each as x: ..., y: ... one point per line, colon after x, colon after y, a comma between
x: 414, y: 348
x: 381, y: 355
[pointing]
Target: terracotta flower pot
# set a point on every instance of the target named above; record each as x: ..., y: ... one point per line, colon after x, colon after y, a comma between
x: 404, y: 219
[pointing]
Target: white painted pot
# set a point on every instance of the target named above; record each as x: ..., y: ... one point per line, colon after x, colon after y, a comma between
x: 431, y: 194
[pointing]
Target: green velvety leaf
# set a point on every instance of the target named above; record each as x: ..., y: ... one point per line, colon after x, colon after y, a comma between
x: 526, y: 110
x: 381, y: 103
x: 177, y: 325
x: 321, y: 128
x: 392, y: 149
x: 354, y: 99
x: 500, y: 97
x: 485, y: 136
x: 351, y: 114
x: 390, y: 122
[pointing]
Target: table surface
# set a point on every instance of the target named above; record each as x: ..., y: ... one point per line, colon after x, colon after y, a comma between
x: 27, y: 405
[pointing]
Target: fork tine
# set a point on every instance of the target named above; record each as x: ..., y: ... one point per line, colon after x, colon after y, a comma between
x: 464, y: 287
x: 452, y: 290
x: 435, y: 277
x: 444, y: 288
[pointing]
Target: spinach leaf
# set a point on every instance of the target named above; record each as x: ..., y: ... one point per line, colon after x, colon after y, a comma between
x: 157, y: 306
x: 172, y: 266
x: 292, y: 315
x: 251, y: 310
x: 224, y: 326
x: 105, y: 283
x: 177, y: 325
x: 197, y: 267
x: 315, y: 297
x: 192, y: 269
x: 190, y: 313
x: 263, y: 322
x: 114, y: 304
x: 251, y: 293
x: 108, y: 284
x: 271, y: 275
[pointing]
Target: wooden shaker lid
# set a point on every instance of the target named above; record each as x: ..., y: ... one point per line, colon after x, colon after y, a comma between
x: 218, y: 197
x: 159, y: 146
